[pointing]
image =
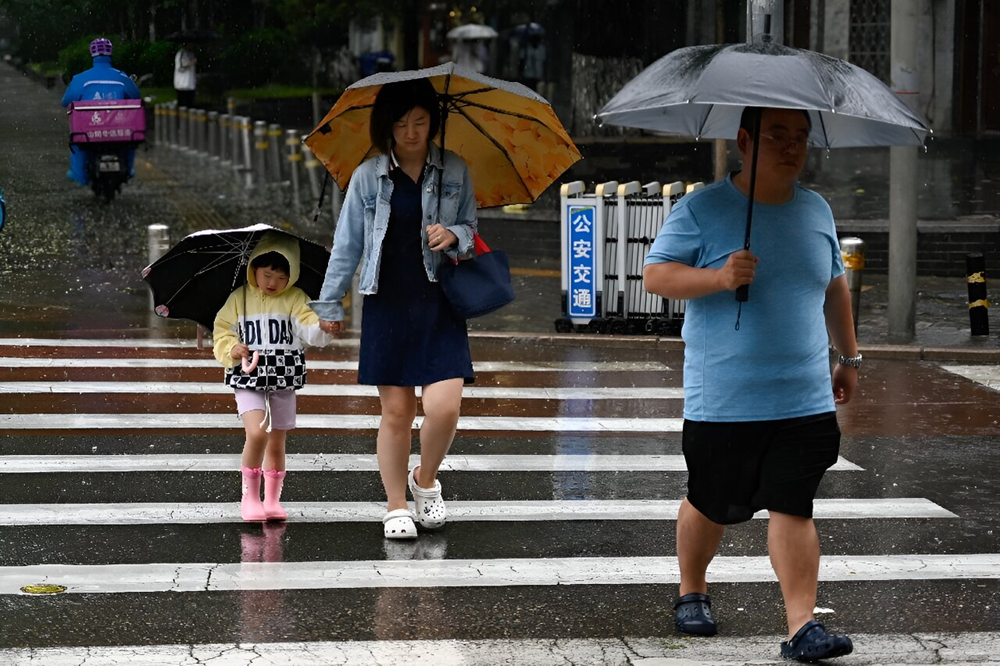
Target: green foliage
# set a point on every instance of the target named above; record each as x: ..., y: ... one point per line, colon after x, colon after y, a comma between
x: 259, y: 57
x: 142, y: 57
x: 75, y: 58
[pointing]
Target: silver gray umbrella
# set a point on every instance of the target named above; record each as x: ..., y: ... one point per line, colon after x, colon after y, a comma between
x: 701, y: 91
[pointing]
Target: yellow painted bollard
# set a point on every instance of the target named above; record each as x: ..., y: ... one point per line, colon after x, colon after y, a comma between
x: 853, y: 251
x: 979, y: 304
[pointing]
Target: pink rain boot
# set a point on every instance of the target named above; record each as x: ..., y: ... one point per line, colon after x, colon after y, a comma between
x: 273, y: 480
x: 251, y: 508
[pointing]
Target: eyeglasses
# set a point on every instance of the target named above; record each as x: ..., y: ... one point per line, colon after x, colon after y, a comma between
x: 784, y: 143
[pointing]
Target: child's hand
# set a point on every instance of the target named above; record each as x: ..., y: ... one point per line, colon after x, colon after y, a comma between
x: 239, y: 351
x: 331, y: 327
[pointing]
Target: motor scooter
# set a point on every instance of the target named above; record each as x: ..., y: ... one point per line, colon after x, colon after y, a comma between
x: 107, y: 130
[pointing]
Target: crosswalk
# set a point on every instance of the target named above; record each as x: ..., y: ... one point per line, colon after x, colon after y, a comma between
x: 119, y: 515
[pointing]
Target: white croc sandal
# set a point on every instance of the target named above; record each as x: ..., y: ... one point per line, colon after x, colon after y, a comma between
x: 431, y: 511
x: 399, y: 524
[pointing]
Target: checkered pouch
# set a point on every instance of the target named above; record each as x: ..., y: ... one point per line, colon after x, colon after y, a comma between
x: 277, y: 369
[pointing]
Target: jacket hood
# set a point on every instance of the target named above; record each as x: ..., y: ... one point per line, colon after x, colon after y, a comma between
x: 286, y: 245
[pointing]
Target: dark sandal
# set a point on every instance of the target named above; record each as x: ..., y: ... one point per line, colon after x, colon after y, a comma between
x: 812, y: 643
x: 693, y: 614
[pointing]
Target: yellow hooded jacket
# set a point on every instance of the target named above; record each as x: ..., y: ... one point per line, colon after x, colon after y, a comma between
x: 278, y: 326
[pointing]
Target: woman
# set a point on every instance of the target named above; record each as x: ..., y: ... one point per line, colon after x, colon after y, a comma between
x: 406, y: 210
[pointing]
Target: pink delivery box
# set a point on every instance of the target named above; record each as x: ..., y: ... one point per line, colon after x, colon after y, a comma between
x: 103, y: 120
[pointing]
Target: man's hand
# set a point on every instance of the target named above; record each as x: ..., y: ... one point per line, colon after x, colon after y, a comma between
x: 239, y: 351
x: 331, y: 327
x: 738, y: 270
x: 845, y: 380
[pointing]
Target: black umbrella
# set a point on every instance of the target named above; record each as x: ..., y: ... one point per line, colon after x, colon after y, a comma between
x: 701, y: 91
x: 193, y: 36
x: 196, y: 276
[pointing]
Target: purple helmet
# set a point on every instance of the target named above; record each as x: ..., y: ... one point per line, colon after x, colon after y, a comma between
x: 100, y: 47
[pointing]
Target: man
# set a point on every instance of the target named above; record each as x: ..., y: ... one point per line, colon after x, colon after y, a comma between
x: 102, y: 81
x: 185, y: 79
x: 760, y: 424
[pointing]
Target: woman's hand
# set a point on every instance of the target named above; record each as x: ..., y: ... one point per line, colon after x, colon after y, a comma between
x: 239, y: 351
x: 439, y: 238
x: 331, y: 327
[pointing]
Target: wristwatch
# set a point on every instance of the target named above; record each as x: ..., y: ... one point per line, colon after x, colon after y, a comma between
x: 852, y: 361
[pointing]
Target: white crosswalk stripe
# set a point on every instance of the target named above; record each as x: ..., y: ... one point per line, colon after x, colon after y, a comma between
x: 345, y: 390
x: 208, y: 577
x: 458, y: 511
x: 325, y: 462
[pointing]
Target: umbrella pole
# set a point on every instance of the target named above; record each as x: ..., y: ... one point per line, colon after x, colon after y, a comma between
x: 743, y: 292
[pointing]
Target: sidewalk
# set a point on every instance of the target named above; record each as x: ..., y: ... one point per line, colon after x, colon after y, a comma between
x: 942, y: 319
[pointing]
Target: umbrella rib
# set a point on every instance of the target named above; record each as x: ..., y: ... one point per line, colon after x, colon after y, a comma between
x: 494, y: 109
x: 822, y: 124
x: 502, y: 150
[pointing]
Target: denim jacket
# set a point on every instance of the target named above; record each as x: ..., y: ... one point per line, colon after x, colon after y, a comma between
x: 364, y: 219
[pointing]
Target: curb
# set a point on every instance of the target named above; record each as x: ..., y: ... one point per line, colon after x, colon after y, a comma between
x: 674, y: 343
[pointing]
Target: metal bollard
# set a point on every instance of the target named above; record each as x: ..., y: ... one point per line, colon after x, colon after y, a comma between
x: 192, y: 129
x: 853, y: 251
x: 213, y: 135
x: 293, y: 142
x: 246, y: 158
x: 260, y: 152
x: 158, y: 241
x: 312, y: 165
x: 222, y: 138
x: 182, y: 127
x: 979, y: 304
x: 236, y: 133
x: 198, y: 132
x: 172, y: 125
x: 274, y: 152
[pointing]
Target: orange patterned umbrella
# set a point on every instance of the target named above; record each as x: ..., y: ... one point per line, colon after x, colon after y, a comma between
x: 509, y: 136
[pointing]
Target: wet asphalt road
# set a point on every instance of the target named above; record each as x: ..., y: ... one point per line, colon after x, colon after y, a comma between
x: 69, y: 267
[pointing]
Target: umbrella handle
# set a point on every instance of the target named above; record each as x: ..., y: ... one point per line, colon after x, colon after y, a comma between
x: 743, y: 293
x: 249, y: 366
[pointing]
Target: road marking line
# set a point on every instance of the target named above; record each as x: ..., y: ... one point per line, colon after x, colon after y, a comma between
x: 987, y: 375
x: 344, y: 390
x: 119, y: 343
x: 188, y: 422
x: 411, y: 573
x: 478, y: 366
x: 965, y: 648
x: 307, y: 462
x: 29, y: 515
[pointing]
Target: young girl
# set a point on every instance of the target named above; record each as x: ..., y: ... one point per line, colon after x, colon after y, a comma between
x: 259, y: 336
x: 406, y: 210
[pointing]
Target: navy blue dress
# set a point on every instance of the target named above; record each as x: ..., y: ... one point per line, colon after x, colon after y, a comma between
x: 409, y: 336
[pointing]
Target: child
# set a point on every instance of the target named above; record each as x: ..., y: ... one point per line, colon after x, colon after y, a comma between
x: 259, y: 336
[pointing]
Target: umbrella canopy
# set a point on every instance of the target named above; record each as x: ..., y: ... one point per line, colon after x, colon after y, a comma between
x: 472, y: 31
x: 193, y: 36
x: 508, y: 135
x: 195, y: 277
x: 529, y: 30
x: 701, y: 91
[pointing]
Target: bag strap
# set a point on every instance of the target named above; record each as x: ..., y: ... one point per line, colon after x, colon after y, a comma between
x: 480, y: 244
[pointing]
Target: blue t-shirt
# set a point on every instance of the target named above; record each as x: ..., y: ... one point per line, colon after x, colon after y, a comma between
x: 777, y: 365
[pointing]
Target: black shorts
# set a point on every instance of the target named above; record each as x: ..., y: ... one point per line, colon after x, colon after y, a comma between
x: 737, y: 469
